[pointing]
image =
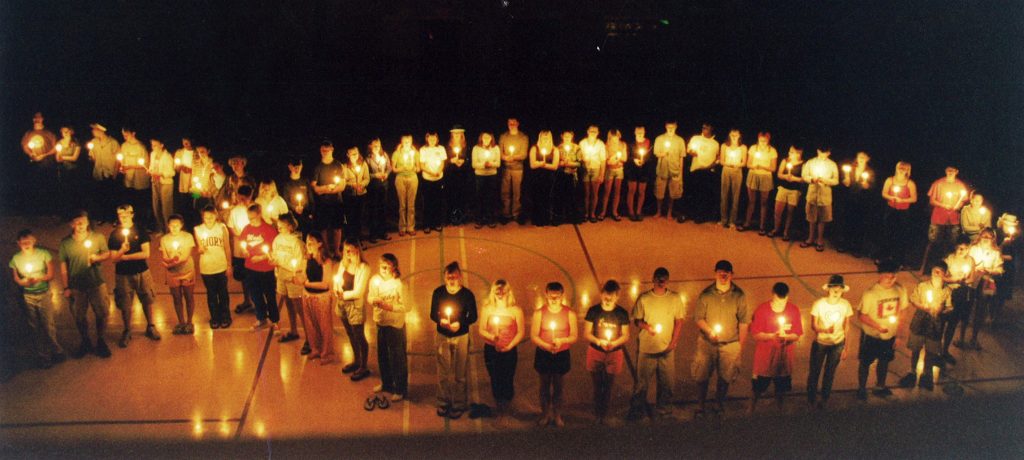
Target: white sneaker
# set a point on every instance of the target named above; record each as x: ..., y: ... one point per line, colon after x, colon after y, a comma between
x: 379, y: 388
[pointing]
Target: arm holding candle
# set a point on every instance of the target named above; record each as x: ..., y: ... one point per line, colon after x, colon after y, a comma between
x: 520, y: 320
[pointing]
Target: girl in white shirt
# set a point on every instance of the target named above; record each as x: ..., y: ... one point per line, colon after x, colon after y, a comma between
x: 270, y: 202
x: 289, y: 256
x: 386, y: 297
x: 486, y: 160
x: 214, y: 244
x: 432, y: 162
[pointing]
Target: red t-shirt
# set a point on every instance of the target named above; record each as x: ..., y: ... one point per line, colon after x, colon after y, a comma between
x: 952, y: 194
x: 771, y: 358
x: 255, y: 238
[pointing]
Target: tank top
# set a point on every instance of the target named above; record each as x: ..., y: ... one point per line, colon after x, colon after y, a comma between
x: 315, y: 274
x: 796, y: 171
x: 347, y: 280
x: 903, y: 193
x: 505, y: 327
x: 560, y: 329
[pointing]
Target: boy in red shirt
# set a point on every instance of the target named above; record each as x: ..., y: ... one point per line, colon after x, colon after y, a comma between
x: 776, y: 326
x: 259, y: 277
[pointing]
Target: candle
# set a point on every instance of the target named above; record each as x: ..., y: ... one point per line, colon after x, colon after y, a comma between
x: 87, y: 243
x: 717, y: 329
x: 28, y: 268
x: 643, y: 152
x: 60, y: 148
x: 847, y: 169
x: 584, y: 299
x: 89, y: 145
x: 930, y: 296
x: 511, y: 149
x: 337, y: 281
x: 197, y: 183
x: 892, y: 319
x: 566, y: 148
x: 244, y: 245
x: 142, y: 162
x: 669, y: 144
x: 608, y: 334
x: 457, y: 150
x: 177, y: 162
x: 32, y: 144
x: 734, y: 155
x: 1011, y: 230
x: 376, y: 282
x: 299, y: 197
x: 270, y: 208
x: 789, y: 167
x: 552, y: 325
x: 757, y: 155
x: 657, y: 328
x: 224, y: 204
x: 175, y: 245
x: 949, y: 194
x: 448, y: 313
x: 782, y: 323
x: 618, y: 155
x: 495, y: 320
x: 266, y: 249
x: 543, y: 153
x: 864, y: 176
x: 337, y: 180
x: 834, y: 318
x: 119, y: 157
x: 896, y: 189
x: 359, y: 169
x: 967, y: 269
x: 125, y: 232
x: 983, y: 210
x: 295, y: 264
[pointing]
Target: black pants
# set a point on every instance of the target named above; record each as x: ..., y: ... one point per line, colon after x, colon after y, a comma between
x: 352, y: 207
x: 392, y: 361
x: 433, y: 203
x: 457, y: 191
x: 377, y: 205
x: 261, y: 286
x: 565, y: 198
x: 540, y: 196
x: 487, y: 198
x: 217, y: 297
x: 827, y: 356
x: 855, y: 222
x: 502, y: 369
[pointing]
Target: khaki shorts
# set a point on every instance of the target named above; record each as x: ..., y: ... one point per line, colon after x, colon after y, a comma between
x: 350, y: 312
x: 725, y: 359
x: 760, y: 181
x: 674, y: 184
x: 818, y: 213
x: 285, y: 286
x: 790, y: 197
x: 592, y: 175
x: 614, y: 173
x: 126, y: 287
x: 184, y: 281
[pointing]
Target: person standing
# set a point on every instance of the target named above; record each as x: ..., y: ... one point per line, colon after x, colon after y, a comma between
x: 103, y: 152
x: 544, y: 159
x: 453, y: 309
x: 830, y: 321
x: 821, y: 174
x: 69, y: 174
x: 670, y: 150
x: 135, y: 166
x: 564, y: 194
x: 732, y: 155
x: 273, y: 205
x: 553, y: 330
x: 704, y: 149
x: 640, y: 171
x: 514, y: 145
x: 287, y: 255
x: 176, y: 255
x: 432, y: 160
x: 988, y: 267
x: 133, y: 278
x: 357, y: 177
x: 317, y: 300
x: 723, y: 319
x: 658, y: 316
x: 204, y: 187
x: 899, y: 192
x: 80, y: 254
x: 776, y: 326
x: 960, y: 266
x: 931, y: 299
x: 595, y: 155
x: 975, y: 217
x: 378, y: 191
x: 328, y: 184
x: 161, y: 171
x: 618, y: 155
x: 858, y: 213
x: 350, y: 289
x: 183, y: 164
x: 405, y: 163
x: 299, y: 196
x: 762, y: 160
x: 237, y: 220
x: 606, y: 329
x: 946, y: 196
x: 787, y: 197
x: 214, y: 245
x: 486, y: 161
x: 879, y: 315
x: 386, y: 296
x: 503, y: 329
x: 457, y: 174
x: 39, y: 144
x: 256, y: 239
x: 32, y: 269
x: 1009, y: 246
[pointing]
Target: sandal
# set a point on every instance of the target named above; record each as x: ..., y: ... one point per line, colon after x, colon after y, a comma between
x: 771, y: 234
x: 370, y: 404
x: 383, y: 402
x: 819, y: 247
x: 762, y: 232
x: 616, y: 218
x: 806, y: 244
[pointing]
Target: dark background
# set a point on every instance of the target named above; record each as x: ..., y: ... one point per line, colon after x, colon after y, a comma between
x: 934, y: 82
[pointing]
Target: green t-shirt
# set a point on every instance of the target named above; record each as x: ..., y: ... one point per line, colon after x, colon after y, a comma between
x: 33, y: 264
x: 81, y: 274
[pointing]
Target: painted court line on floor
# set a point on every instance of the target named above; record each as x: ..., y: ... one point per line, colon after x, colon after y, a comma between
x: 474, y: 379
x: 175, y: 421
x: 255, y: 384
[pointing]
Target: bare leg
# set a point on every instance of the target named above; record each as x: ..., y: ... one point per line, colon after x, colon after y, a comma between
x: 750, y: 207
x: 630, y: 198
x: 616, y: 187
x: 642, y: 190
x: 780, y: 206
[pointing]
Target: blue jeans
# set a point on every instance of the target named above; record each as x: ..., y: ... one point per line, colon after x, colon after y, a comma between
x: 829, y: 356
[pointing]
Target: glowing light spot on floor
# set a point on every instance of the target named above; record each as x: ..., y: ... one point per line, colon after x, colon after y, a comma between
x: 197, y: 426
x: 260, y: 428
x: 347, y: 356
x: 585, y: 300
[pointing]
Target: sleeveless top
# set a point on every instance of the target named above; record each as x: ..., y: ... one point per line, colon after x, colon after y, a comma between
x: 554, y: 325
x: 903, y: 193
x: 314, y: 273
x: 795, y: 171
x: 348, y: 280
x: 505, y: 327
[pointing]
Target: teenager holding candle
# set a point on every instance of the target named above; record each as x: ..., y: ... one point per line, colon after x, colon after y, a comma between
x: 723, y: 319
x: 287, y: 254
x: 960, y: 270
x: 975, y: 217
x: 203, y: 187
x: 453, y: 308
x: 32, y: 269
x: 299, y: 195
x: 946, y: 196
x: 732, y: 156
x: 564, y: 195
x: 879, y: 311
x: 70, y: 175
x: 931, y: 299
x: 316, y: 279
x: 503, y: 329
x: 272, y: 204
x: 431, y: 162
x: 703, y: 179
x: 379, y: 190
x: 80, y: 254
x: 670, y: 151
x: 183, y: 166
x: 658, y: 315
x: 132, y: 275
x: 386, y: 297
x: 1009, y: 245
x: 595, y: 155
x: 618, y: 155
x: 640, y: 171
x: 135, y: 167
x: 214, y: 244
x: 544, y: 160
x: 350, y: 289
x: 161, y: 171
x: 830, y: 321
x: 357, y: 178
x: 821, y: 174
x: 237, y: 220
x: 514, y: 145
x: 103, y: 152
x: 988, y: 266
x: 235, y: 180
x: 899, y: 192
x: 791, y: 184
x: 858, y: 214
x: 606, y: 329
x: 176, y: 255
x: 457, y: 176
x: 776, y: 326
x: 761, y: 163
x: 259, y: 280
x: 328, y: 183
x: 486, y: 160
x: 553, y: 329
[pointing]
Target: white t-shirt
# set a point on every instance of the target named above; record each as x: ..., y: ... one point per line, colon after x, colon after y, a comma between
x: 831, y: 315
x: 706, y: 149
x: 185, y: 244
x: 763, y: 157
x: 389, y: 291
x: 882, y: 305
x: 213, y: 260
x: 288, y: 248
x: 594, y: 153
x: 434, y: 157
x: 238, y: 219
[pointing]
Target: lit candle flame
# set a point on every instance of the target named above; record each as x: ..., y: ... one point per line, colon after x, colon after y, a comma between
x: 60, y: 148
x: 608, y: 334
x: 142, y: 162
x: 175, y: 245
x: 299, y: 197
x: 782, y: 321
x: 512, y: 149
x: 896, y: 189
x: 717, y: 329
x: 495, y: 320
x: 657, y: 329
x: 864, y: 176
x: 224, y: 204
x: 177, y: 162
x: 87, y: 243
x: 983, y: 210
x: 295, y: 264
x: 244, y: 245
x: 125, y: 232
x: 930, y: 296
x: 119, y: 157
x: 847, y: 168
x: 892, y: 319
x: 337, y: 179
x: 266, y: 249
x: 359, y: 169
x: 89, y: 146
x: 552, y: 325
x: 28, y: 268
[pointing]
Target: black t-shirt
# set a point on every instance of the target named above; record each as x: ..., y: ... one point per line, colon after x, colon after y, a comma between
x: 290, y: 190
x: 135, y: 241
x: 604, y: 321
x: 324, y: 175
x: 463, y: 310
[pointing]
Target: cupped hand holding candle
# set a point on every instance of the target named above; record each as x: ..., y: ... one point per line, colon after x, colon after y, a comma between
x: 717, y: 329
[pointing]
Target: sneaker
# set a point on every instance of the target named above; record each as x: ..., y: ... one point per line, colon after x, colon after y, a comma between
x: 360, y: 374
x: 908, y: 380
x: 190, y: 329
x: 882, y: 392
x: 305, y: 349
x: 83, y: 349
x: 102, y: 350
x: 126, y: 337
x: 397, y: 397
x: 151, y: 332
x: 260, y: 325
x: 242, y: 307
x: 926, y: 383
x: 349, y: 368
x: 289, y: 337
x: 454, y: 414
x: 442, y: 411
x: 862, y: 394
x: 214, y: 325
